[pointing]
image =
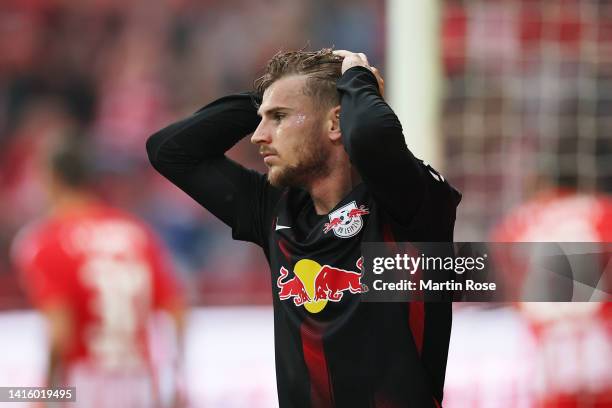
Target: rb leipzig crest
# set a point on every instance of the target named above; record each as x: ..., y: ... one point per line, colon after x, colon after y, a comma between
x: 346, y: 221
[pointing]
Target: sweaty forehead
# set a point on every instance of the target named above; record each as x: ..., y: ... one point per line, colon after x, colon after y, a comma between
x: 286, y: 92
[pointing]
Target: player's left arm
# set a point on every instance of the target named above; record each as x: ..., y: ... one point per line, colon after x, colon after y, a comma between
x: 169, y: 296
x: 373, y: 138
x: 168, y: 293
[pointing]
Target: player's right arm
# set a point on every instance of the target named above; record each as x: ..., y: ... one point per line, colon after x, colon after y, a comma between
x: 39, y: 264
x: 191, y: 154
x: 61, y: 332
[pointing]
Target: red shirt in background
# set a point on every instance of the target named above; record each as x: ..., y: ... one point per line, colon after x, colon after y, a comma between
x: 572, y: 339
x: 559, y: 216
x: 110, y: 272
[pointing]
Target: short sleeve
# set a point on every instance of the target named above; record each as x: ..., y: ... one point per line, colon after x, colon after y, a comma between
x: 40, y: 267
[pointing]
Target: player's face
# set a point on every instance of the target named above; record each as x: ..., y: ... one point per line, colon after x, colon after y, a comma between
x: 291, y: 135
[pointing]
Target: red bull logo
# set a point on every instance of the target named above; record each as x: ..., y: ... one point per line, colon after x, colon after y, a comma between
x: 314, y: 285
x: 292, y: 288
x: 346, y: 221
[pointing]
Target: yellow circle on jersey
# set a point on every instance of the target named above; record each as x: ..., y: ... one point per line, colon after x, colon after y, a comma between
x: 307, y: 270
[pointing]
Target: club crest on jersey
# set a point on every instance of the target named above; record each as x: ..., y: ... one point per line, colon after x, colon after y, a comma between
x: 346, y: 221
x: 314, y: 285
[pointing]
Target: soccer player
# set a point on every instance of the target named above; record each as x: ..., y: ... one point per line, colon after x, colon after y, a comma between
x: 569, y: 370
x: 96, y: 274
x: 339, y: 174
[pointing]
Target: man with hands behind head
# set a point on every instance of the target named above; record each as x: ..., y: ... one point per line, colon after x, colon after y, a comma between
x: 339, y: 174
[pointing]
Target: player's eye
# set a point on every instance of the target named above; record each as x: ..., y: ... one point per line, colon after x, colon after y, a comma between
x: 278, y: 116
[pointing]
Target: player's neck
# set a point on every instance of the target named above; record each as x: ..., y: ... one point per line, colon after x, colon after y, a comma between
x: 328, y: 191
x: 71, y: 201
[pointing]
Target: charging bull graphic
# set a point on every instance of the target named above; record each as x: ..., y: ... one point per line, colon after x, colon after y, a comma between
x: 292, y: 288
x: 330, y: 283
x: 314, y: 285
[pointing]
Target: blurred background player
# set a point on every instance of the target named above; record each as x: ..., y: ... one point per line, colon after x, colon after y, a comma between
x: 97, y: 274
x: 580, y: 334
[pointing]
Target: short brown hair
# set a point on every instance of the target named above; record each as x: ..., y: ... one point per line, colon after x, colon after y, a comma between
x: 71, y: 162
x: 322, y: 67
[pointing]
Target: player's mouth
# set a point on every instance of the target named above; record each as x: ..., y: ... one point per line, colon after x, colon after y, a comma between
x: 268, y: 157
x: 269, y: 160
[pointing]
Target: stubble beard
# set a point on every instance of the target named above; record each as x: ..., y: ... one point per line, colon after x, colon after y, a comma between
x: 313, y: 164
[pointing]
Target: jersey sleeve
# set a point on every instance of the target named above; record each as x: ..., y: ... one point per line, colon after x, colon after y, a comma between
x: 40, y: 267
x: 191, y: 154
x: 372, y: 135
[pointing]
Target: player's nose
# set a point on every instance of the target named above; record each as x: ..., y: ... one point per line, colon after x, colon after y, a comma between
x: 261, y: 134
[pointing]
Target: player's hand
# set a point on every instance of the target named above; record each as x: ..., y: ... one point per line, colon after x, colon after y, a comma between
x: 353, y: 59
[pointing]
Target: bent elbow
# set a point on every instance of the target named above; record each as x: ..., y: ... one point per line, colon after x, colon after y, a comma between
x: 153, y: 145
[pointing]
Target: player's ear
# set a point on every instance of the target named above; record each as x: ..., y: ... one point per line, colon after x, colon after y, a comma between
x: 334, y: 124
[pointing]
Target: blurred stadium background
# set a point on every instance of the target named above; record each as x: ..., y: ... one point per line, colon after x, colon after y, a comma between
x: 518, y: 95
